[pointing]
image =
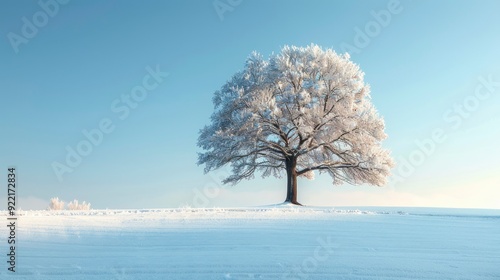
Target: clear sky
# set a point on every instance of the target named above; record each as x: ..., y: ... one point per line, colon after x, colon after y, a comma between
x: 70, y: 67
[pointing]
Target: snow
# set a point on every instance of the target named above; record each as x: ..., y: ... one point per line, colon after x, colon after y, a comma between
x: 272, y: 242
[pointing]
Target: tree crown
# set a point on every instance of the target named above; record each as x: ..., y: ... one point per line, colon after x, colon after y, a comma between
x: 304, y: 105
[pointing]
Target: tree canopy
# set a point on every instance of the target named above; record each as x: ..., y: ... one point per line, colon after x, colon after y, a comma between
x: 303, y: 110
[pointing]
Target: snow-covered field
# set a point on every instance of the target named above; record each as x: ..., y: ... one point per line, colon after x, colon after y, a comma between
x: 257, y: 243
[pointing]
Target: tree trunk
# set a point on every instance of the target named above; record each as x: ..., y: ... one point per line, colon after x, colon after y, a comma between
x: 291, y: 175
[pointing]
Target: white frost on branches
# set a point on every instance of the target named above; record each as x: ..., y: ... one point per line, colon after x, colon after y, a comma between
x: 75, y: 205
x: 306, y: 104
x: 309, y: 175
x: 56, y: 204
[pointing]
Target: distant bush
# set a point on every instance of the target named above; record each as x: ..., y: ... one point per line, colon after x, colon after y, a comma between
x: 56, y: 204
x: 74, y: 205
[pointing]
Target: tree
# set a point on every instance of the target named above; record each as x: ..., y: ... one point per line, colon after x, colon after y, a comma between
x: 75, y: 205
x: 56, y: 204
x: 303, y: 110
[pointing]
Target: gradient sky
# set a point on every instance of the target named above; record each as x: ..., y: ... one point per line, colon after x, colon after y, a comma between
x: 423, y: 65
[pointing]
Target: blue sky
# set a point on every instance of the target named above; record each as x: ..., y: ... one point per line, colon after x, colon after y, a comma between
x: 425, y: 66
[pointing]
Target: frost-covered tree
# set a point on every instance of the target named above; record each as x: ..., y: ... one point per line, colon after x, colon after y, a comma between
x: 303, y: 110
x: 56, y: 204
x: 75, y: 205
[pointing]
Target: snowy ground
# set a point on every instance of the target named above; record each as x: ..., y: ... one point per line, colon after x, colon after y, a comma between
x: 257, y: 243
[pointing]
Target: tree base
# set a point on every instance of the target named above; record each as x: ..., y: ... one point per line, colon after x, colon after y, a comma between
x: 293, y: 202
